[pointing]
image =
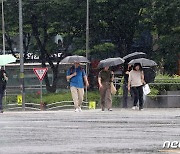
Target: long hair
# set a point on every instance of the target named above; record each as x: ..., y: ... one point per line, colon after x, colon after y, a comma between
x: 137, y: 64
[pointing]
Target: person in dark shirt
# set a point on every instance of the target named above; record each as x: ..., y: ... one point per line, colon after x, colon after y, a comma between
x: 105, y: 78
x: 127, y: 69
x: 3, y: 81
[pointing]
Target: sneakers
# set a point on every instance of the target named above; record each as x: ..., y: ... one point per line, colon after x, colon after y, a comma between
x: 137, y: 108
x: 134, y: 108
x: 110, y: 109
x: 78, y: 109
x: 104, y: 109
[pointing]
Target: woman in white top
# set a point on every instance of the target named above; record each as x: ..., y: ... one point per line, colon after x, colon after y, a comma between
x: 136, y: 82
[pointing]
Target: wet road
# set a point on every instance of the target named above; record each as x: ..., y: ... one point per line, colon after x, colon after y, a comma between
x: 89, y: 132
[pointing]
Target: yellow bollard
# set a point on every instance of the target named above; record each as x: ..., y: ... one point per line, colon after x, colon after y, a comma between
x: 19, y: 99
x: 92, y: 105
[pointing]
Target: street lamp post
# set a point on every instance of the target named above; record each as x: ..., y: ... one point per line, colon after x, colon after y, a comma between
x: 21, y: 54
x: 87, y: 29
x: 87, y: 38
x: 3, y: 27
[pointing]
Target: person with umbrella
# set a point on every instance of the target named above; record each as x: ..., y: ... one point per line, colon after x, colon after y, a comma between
x: 126, y: 70
x: 136, y: 82
x: 77, y: 76
x: 105, y: 78
x: 3, y: 81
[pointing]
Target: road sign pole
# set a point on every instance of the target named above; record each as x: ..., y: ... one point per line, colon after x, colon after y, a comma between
x: 41, y: 91
x: 21, y: 54
x: 40, y: 73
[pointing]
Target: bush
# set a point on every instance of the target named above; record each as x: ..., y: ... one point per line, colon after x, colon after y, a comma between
x: 61, y: 96
x: 165, y: 83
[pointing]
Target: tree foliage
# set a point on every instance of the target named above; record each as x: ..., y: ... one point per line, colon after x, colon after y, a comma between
x: 115, y: 25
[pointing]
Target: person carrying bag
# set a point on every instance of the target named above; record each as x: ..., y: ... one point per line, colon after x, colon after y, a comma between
x: 105, y: 81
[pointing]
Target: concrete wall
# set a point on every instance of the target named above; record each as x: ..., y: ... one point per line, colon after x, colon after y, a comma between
x: 170, y: 100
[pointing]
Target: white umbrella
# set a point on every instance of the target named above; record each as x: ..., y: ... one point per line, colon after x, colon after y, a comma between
x: 143, y: 62
x: 6, y: 59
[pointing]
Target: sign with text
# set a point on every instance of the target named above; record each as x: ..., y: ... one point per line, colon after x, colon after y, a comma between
x: 40, y: 72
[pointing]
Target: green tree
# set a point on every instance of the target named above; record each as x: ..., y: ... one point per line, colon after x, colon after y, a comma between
x: 43, y: 20
x: 165, y: 17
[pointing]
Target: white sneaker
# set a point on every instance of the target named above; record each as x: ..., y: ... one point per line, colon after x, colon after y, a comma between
x: 134, y: 108
x: 76, y: 110
x: 80, y: 110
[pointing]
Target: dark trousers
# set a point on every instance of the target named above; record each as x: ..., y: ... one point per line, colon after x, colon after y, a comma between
x: 105, y: 94
x: 125, y: 94
x: 1, y: 97
x: 138, y: 95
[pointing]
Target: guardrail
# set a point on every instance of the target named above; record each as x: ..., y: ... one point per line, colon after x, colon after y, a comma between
x: 14, y: 91
x: 47, y: 107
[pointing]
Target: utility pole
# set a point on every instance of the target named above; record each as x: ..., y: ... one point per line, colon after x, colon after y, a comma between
x: 87, y: 39
x: 3, y: 27
x: 87, y: 29
x: 21, y: 55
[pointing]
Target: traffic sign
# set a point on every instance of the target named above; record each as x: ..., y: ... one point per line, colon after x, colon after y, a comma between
x: 40, y: 72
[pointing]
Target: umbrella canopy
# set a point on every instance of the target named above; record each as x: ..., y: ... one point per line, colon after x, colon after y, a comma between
x: 75, y: 59
x: 134, y: 55
x: 110, y: 62
x: 149, y: 74
x: 6, y: 59
x: 143, y: 62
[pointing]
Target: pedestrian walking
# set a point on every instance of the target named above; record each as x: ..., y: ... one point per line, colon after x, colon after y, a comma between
x: 105, y: 78
x: 3, y: 81
x: 127, y: 69
x: 136, y: 82
x: 77, y: 77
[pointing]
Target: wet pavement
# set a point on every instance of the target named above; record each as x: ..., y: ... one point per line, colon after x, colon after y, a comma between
x: 89, y: 132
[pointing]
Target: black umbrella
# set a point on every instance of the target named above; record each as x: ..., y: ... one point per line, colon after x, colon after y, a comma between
x: 110, y: 62
x: 75, y: 59
x: 143, y: 62
x: 149, y: 74
x: 134, y: 55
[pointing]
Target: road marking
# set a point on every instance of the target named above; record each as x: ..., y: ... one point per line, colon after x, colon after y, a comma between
x: 171, y: 150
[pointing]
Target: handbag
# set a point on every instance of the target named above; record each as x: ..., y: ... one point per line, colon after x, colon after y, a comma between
x: 146, y: 89
x: 113, y: 89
